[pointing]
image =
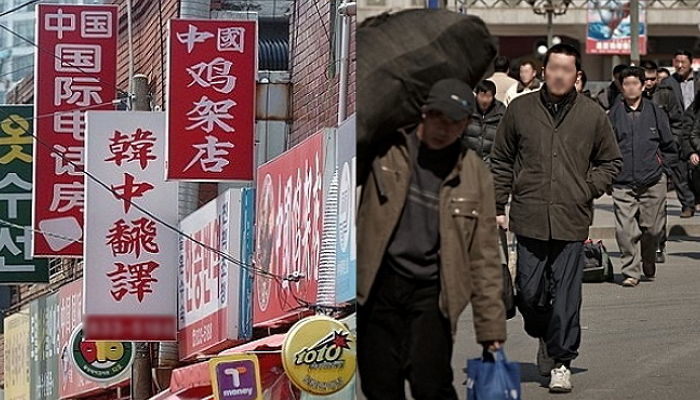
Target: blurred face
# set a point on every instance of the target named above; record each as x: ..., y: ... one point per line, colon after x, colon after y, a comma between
x: 650, y: 79
x: 440, y: 131
x: 527, y: 73
x: 661, y: 76
x: 484, y: 100
x: 682, y: 65
x: 560, y: 74
x: 632, y: 88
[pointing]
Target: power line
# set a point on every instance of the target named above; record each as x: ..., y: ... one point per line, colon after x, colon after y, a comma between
x: 19, y: 7
x: 45, y: 233
x: 80, y: 69
x: 17, y: 70
x: 82, y: 170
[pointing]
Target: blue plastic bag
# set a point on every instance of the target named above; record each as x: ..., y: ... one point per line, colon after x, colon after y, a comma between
x: 492, y: 377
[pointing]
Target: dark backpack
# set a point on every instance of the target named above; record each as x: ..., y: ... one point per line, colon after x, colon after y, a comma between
x: 597, y: 263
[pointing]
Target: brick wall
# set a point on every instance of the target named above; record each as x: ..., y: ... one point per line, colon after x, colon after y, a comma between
x: 314, y: 92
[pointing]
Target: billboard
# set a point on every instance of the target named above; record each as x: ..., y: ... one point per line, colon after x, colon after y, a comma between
x: 289, y: 222
x: 130, y: 255
x: 16, y: 182
x: 215, y: 294
x: 609, y: 28
x: 212, y: 70
x: 76, y: 73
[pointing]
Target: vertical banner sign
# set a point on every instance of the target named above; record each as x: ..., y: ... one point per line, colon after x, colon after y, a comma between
x: 289, y: 221
x: 77, y: 71
x: 346, y: 254
x: 16, y: 160
x: 609, y: 27
x: 16, y: 354
x: 214, y: 294
x: 130, y: 258
x: 71, y: 383
x: 211, y: 100
x: 43, y: 347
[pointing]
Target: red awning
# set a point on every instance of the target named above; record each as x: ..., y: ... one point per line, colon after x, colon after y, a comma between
x: 191, y: 394
x: 196, y: 376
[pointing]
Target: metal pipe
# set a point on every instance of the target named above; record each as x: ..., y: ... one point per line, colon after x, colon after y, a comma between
x: 550, y: 28
x: 634, y: 32
x: 130, y: 45
x: 344, y: 55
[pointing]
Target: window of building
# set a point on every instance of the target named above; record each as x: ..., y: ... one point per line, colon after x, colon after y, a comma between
x: 24, y: 28
x: 21, y: 66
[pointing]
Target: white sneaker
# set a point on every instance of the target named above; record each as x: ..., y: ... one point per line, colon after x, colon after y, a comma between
x: 561, y: 380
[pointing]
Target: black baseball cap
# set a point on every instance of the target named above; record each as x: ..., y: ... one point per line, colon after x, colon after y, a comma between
x: 452, y: 97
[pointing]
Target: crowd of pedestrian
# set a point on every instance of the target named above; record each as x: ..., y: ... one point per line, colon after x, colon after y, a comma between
x: 540, y: 149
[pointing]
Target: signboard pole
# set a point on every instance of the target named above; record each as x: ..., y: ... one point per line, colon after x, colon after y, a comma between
x: 141, y: 368
x: 634, y: 31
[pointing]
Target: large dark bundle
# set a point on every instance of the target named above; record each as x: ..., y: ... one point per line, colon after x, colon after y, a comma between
x: 400, y: 56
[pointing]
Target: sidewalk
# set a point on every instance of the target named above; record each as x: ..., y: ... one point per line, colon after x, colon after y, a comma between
x: 604, y: 219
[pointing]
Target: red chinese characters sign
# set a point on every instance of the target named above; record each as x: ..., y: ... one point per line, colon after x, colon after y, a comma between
x: 211, y: 100
x: 130, y: 258
x: 76, y: 72
x: 289, y: 220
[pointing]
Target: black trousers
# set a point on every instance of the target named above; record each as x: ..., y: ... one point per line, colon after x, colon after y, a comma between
x: 682, y: 183
x: 549, y: 279
x: 402, y: 335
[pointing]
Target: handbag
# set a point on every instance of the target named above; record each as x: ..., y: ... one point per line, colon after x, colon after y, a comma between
x: 508, y: 287
x: 493, y: 377
x: 597, y: 263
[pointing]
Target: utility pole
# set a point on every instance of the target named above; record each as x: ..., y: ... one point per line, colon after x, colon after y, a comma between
x: 141, y: 383
x: 634, y: 31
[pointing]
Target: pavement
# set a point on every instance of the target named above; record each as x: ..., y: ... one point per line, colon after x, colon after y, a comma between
x: 637, y: 343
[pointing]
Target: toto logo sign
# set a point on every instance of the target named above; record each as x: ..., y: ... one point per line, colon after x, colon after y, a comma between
x: 101, y: 361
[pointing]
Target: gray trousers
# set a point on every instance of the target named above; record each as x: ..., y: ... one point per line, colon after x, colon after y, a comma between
x: 639, y: 222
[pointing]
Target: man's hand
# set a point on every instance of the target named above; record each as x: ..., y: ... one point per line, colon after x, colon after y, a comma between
x: 502, y: 222
x: 492, y: 345
x: 695, y: 159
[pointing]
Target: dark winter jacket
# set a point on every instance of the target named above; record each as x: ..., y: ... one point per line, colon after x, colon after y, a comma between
x: 481, y: 131
x: 607, y: 97
x: 553, y: 170
x: 691, y: 128
x: 645, y: 141
x: 674, y: 82
x: 664, y: 96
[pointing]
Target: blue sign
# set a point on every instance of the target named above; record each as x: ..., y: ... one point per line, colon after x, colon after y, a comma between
x: 346, y: 254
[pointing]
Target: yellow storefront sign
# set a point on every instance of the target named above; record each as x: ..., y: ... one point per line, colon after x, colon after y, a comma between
x: 17, y: 356
x: 318, y: 355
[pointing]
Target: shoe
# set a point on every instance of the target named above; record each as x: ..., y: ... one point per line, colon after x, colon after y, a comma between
x: 687, y: 212
x: 545, y: 364
x: 630, y: 282
x: 660, y: 257
x: 560, y: 381
x: 649, y: 268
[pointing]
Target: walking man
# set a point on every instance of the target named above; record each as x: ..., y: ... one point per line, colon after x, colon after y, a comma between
x: 481, y: 130
x: 427, y: 246
x: 501, y: 67
x: 528, y: 82
x: 555, y: 152
x: 639, y: 191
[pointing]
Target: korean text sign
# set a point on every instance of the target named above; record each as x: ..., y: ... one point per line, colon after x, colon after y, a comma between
x: 289, y: 221
x: 211, y: 100
x: 215, y: 294
x: 77, y: 72
x: 17, y: 350
x: 16, y: 160
x: 130, y: 258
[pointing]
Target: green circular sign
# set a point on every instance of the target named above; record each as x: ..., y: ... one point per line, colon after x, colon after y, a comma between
x: 100, y: 361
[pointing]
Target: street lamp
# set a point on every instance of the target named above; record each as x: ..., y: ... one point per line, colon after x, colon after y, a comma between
x: 550, y: 8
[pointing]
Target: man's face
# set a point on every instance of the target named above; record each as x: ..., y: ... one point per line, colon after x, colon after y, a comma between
x: 527, y: 73
x: 632, y: 88
x: 650, y: 79
x: 560, y: 74
x: 439, y: 131
x: 660, y: 76
x: 484, y: 99
x: 682, y: 65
